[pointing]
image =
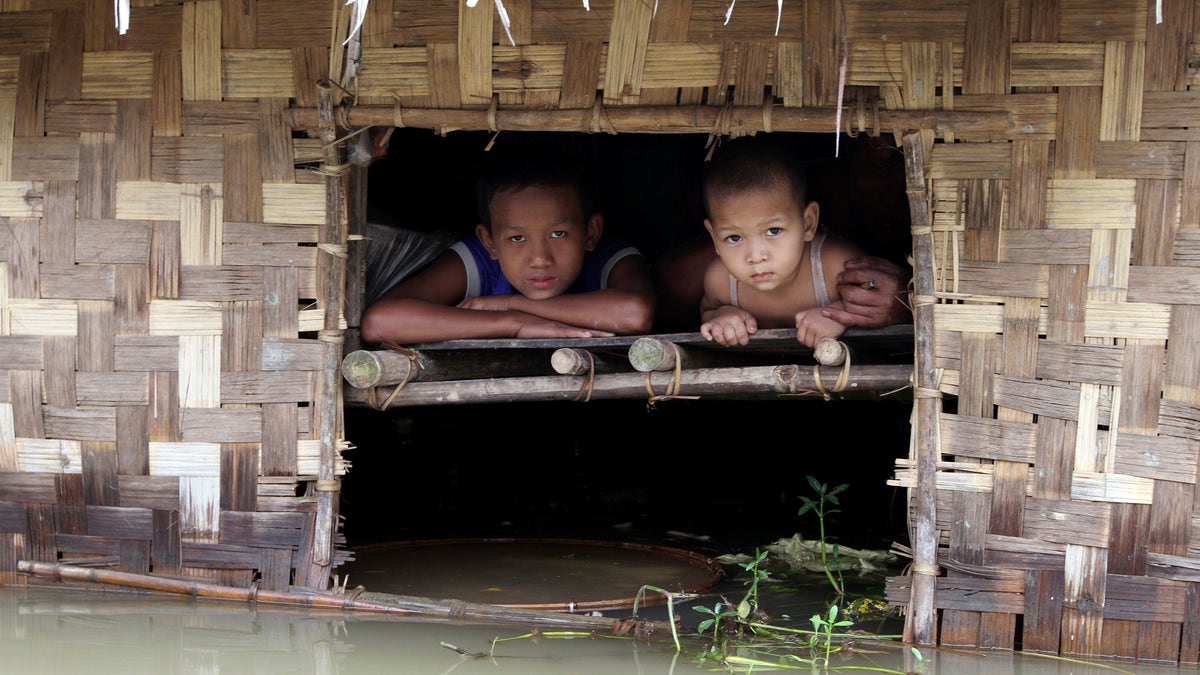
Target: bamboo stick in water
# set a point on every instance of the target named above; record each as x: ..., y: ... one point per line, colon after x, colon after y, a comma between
x: 376, y: 603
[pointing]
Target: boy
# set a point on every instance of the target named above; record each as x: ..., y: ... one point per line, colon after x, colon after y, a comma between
x: 539, y: 266
x: 775, y: 267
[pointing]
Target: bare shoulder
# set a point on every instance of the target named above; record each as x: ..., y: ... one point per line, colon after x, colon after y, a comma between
x: 631, y: 273
x: 443, y: 281
x: 836, y: 251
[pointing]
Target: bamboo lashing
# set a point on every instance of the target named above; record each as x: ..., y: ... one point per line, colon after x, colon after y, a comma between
x: 672, y: 389
x: 585, y: 362
x: 365, y: 369
x: 589, y: 382
x: 356, y: 600
x: 575, y: 361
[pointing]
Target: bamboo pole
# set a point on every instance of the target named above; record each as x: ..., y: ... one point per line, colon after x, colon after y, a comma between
x: 574, y: 361
x: 920, y: 625
x: 745, y: 382
x: 739, y: 120
x: 830, y: 352
x: 331, y: 272
x: 648, y: 354
x: 369, y: 368
x: 374, y: 603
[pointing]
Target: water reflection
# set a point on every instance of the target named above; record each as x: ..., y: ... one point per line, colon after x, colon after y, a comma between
x: 53, y: 631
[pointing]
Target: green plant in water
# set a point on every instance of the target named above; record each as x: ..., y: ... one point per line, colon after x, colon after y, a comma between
x: 745, y: 612
x: 754, y: 568
x: 717, y: 616
x: 671, y: 597
x: 820, y: 506
x: 823, y: 629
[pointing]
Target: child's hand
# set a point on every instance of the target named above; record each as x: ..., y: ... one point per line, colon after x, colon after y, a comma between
x: 812, y: 326
x: 492, y: 303
x: 537, y: 327
x: 729, y: 326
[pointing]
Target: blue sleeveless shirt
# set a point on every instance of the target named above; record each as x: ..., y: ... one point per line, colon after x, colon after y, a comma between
x: 485, y: 278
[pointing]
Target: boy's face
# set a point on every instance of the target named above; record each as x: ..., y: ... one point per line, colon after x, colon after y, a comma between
x: 538, y: 235
x: 760, y: 234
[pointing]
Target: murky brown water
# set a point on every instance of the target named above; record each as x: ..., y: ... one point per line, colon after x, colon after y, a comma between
x: 55, y: 631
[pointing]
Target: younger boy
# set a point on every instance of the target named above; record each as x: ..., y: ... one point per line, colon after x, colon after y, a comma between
x: 538, y: 266
x: 775, y: 267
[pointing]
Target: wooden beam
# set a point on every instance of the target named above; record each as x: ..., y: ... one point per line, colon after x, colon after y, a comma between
x: 742, y: 120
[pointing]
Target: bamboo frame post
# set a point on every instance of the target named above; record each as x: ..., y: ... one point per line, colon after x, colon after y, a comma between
x: 920, y: 625
x: 331, y: 272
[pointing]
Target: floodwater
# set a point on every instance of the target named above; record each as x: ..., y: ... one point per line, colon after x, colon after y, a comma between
x: 59, y: 631
x: 626, y: 474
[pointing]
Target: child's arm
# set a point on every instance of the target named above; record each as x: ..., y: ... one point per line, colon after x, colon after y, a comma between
x: 815, y: 324
x: 722, y: 322
x: 422, y: 309
x: 626, y: 307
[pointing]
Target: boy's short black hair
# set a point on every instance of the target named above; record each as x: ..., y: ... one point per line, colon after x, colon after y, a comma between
x: 525, y: 168
x: 753, y: 164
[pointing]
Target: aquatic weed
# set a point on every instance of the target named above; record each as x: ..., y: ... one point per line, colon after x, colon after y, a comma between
x: 819, y: 506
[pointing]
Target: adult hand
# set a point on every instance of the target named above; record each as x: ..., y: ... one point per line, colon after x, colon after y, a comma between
x: 535, y: 327
x: 874, y: 292
x: 729, y: 326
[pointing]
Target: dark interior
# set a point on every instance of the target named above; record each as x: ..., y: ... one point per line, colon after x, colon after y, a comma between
x: 729, y: 470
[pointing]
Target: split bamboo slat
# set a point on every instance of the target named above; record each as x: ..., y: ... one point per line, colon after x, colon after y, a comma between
x: 179, y: 225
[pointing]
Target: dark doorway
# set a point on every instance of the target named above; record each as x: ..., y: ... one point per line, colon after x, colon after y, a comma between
x: 731, y: 471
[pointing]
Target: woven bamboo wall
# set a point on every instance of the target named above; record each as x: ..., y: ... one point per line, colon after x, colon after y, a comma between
x: 1062, y: 310
x: 160, y: 236
x: 161, y: 405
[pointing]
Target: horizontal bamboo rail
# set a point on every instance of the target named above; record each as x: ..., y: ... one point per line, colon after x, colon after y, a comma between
x: 368, y: 368
x: 374, y: 603
x: 754, y: 381
x: 736, y: 120
x: 648, y: 354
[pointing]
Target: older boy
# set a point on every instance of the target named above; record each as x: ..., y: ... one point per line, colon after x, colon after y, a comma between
x: 539, y: 266
x: 775, y: 267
